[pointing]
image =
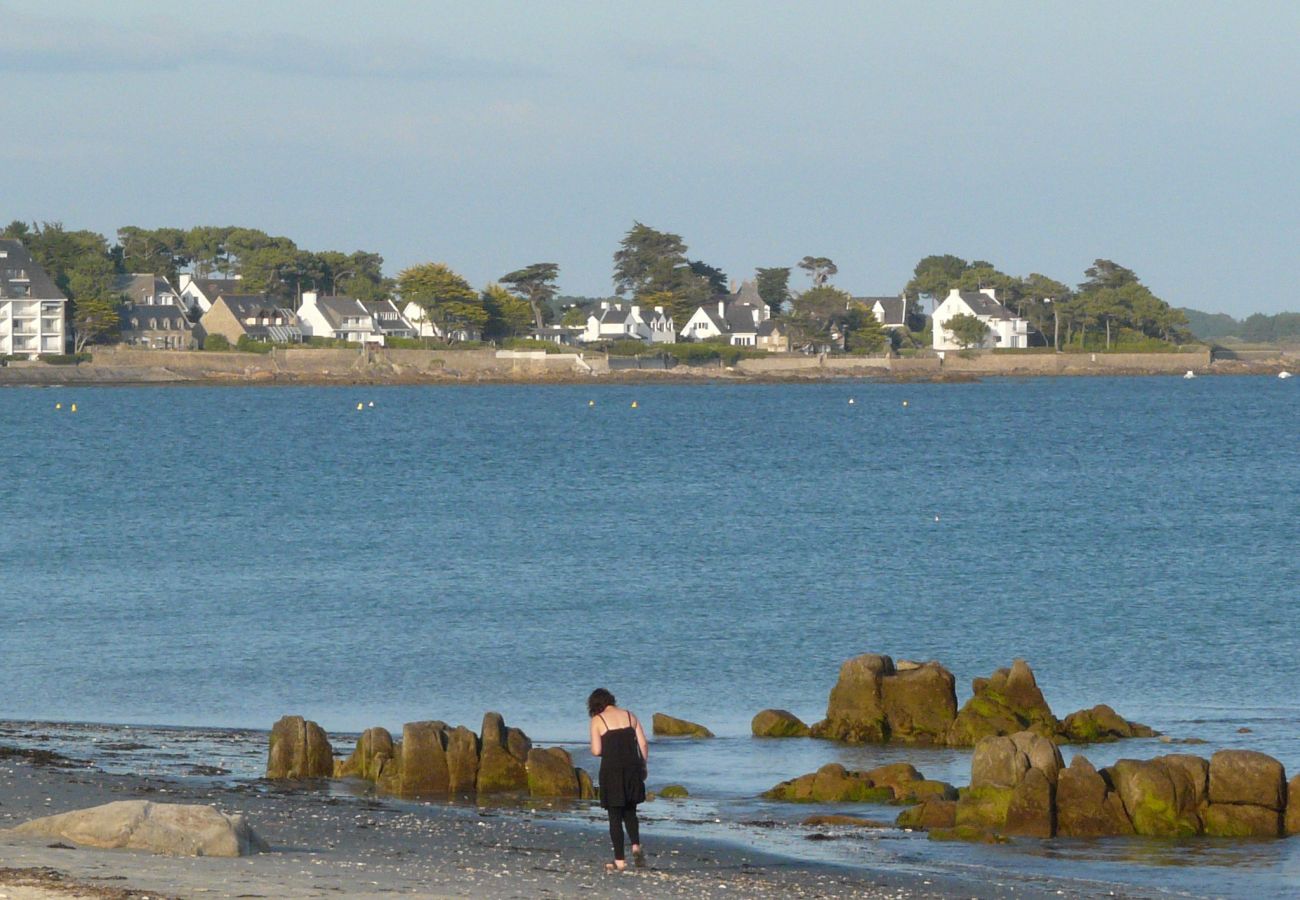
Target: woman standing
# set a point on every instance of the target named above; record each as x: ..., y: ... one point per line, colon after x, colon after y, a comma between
x: 617, y: 738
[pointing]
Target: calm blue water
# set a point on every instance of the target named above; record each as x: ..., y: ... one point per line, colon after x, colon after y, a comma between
x: 224, y: 556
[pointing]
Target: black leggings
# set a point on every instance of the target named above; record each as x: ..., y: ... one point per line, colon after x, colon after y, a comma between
x: 621, y: 817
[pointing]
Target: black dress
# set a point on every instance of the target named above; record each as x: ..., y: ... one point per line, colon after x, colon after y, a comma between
x: 622, y: 782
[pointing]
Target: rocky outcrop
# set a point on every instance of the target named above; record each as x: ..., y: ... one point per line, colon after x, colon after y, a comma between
x: 832, y: 783
x: 166, y: 828
x: 299, y: 749
x: 1007, y: 702
x: 1087, y: 804
x: 674, y: 792
x: 778, y: 723
x: 667, y: 726
x: 1248, y: 795
x: 876, y: 700
x: 551, y: 774
x: 1101, y: 724
x: 436, y: 760
x: 1019, y: 788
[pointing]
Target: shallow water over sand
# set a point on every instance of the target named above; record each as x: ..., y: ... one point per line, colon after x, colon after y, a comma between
x: 224, y: 556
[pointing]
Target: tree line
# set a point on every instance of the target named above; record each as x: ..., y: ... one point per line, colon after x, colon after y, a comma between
x: 650, y: 266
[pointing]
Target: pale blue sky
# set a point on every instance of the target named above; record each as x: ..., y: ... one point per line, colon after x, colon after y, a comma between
x: 489, y: 135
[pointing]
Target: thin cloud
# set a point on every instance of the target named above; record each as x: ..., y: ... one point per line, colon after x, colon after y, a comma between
x: 50, y: 46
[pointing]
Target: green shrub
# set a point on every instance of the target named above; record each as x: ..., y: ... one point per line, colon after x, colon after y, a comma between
x: 323, y: 343
x: 66, y: 359
x: 216, y: 342
x: 247, y: 345
x: 533, y: 344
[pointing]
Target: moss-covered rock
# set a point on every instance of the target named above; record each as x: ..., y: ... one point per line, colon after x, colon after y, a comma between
x: 586, y: 790
x: 1291, y: 822
x: 919, y: 703
x: 855, y: 711
x: 1159, y: 798
x: 971, y: 834
x: 1031, y: 812
x: 1086, y: 806
x: 673, y: 792
x: 462, y: 760
x: 1042, y: 753
x: 832, y: 783
x: 997, y: 762
x: 551, y: 773
x: 1101, y: 724
x: 778, y: 723
x: 1242, y: 820
x: 1247, y: 777
x: 424, y: 769
x: 299, y: 749
x: 1003, y: 704
x: 499, y: 770
x: 668, y: 726
x: 984, y: 807
x: 923, y: 791
x: 373, y: 749
x: 929, y: 814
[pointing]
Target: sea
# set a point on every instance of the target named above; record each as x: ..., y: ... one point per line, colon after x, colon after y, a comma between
x: 195, y: 562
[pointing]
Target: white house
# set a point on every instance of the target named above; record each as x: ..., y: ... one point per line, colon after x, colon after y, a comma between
x: 628, y: 322
x: 388, y: 319
x: 32, y: 308
x: 339, y: 318
x: 200, y: 293
x: 739, y: 318
x: 890, y: 312
x: 1005, y: 328
x: 420, y: 319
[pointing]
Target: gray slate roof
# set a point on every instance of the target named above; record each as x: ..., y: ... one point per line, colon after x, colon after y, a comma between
x: 894, y: 308
x: 143, y: 313
x: 984, y: 305
x: 141, y: 284
x: 743, y: 316
x: 336, y: 309
x: 213, y: 288
x: 259, y: 306
x: 22, y: 277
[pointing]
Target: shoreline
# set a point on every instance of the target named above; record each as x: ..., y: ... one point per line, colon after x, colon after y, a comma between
x: 329, y: 843
x: 94, y: 376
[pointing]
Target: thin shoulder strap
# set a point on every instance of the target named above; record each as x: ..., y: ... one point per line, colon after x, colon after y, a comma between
x: 631, y: 720
x: 601, y: 716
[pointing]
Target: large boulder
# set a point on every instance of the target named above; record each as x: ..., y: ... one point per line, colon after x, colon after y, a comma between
x: 778, y: 723
x: 1085, y: 804
x: 855, y: 711
x: 1007, y: 702
x: 1042, y: 753
x: 499, y: 770
x: 1291, y: 824
x: 1031, y: 812
x: 1101, y: 724
x: 929, y: 814
x: 1158, y: 796
x: 998, y: 762
x: 1247, y: 777
x: 462, y: 760
x: 299, y: 749
x: 1242, y: 820
x: 424, y: 770
x: 668, y: 726
x: 166, y: 828
x: 919, y: 703
x: 984, y: 807
x: 373, y: 749
x: 551, y: 773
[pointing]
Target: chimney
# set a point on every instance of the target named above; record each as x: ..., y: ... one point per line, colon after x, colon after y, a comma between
x: 636, y: 309
x: 722, y: 309
x: 309, y: 296
x: 660, y: 310
x: 991, y: 293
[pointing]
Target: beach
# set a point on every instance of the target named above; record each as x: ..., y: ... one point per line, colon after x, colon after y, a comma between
x: 326, y: 843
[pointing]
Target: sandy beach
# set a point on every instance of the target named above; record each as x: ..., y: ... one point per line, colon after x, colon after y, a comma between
x: 330, y: 844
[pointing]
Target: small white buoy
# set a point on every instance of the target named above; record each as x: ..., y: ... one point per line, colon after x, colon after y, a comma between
x: 591, y: 402
x: 359, y: 406
x: 72, y: 408
x: 371, y: 404
x: 852, y: 401
x: 936, y: 517
x: 634, y: 404
x: 1190, y: 374
x: 905, y: 403
x: 58, y: 406
x: 1284, y: 374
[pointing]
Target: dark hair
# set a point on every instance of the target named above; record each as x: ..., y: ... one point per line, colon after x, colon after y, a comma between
x: 599, y: 701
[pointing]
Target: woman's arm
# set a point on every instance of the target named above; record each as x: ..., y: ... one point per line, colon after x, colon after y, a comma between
x: 641, y: 741
x: 595, y: 738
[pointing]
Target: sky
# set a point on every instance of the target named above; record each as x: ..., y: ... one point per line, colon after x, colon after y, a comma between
x: 489, y: 135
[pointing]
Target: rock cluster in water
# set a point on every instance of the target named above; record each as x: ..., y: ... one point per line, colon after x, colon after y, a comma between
x: 832, y: 783
x: 1020, y: 787
x: 432, y: 759
x: 876, y: 700
x: 664, y: 725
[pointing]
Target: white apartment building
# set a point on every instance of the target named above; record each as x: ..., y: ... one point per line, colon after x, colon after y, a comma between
x: 32, y: 309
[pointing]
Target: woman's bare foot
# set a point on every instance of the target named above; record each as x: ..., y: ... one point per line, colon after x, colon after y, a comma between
x: 617, y: 865
x: 638, y: 856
